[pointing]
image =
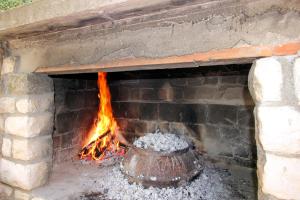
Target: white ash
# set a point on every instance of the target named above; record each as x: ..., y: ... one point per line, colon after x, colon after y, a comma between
x: 77, y: 181
x: 210, y: 185
x: 161, y: 142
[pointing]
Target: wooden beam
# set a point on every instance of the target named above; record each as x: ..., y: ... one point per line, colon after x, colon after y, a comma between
x: 215, y: 57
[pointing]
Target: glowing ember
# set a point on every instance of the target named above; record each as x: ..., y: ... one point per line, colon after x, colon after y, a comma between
x: 101, y: 139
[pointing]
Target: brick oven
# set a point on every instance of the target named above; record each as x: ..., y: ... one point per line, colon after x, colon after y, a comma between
x: 221, y: 75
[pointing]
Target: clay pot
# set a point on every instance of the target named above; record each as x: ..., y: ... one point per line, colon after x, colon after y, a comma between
x: 160, y: 169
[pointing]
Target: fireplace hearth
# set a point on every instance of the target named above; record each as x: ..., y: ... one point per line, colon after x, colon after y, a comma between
x: 91, y: 181
x: 210, y: 108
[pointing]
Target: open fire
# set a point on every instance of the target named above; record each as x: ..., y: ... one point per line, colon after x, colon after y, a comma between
x: 101, y: 140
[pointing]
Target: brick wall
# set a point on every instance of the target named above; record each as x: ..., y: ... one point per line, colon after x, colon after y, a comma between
x: 213, y: 107
x: 76, y: 105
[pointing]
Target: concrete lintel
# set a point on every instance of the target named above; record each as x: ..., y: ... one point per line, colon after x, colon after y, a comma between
x: 234, y: 55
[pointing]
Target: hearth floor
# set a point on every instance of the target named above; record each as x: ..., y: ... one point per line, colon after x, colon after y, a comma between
x: 88, y: 181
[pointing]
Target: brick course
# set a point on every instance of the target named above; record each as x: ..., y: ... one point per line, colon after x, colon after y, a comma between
x: 172, y: 100
x: 76, y: 105
x: 212, y: 107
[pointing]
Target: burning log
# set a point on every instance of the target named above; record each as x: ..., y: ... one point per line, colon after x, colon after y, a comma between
x: 98, y: 150
x: 102, y: 138
x: 93, y: 142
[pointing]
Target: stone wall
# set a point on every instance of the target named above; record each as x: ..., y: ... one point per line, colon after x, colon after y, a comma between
x: 76, y: 105
x: 213, y: 107
x: 274, y: 85
x: 26, y: 124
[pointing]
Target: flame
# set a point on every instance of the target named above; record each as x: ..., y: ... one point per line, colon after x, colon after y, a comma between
x: 101, y: 138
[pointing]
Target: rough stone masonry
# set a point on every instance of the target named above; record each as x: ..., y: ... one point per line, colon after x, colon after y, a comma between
x: 274, y: 85
x: 26, y: 125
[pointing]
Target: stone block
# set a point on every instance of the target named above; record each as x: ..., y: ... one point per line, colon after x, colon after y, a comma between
x: 281, y: 177
x: 134, y: 94
x: 62, y: 155
x: 64, y: 122
x: 59, y: 102
x: 211, y: 80
x: 245, y: 117
x: 154, y: 125
x: 66, y: 140
x: 229, y: 79
x: 22, y: 84
x: 22, y: 195
x: 243, y: 150
x: 243, y: 80
x: 247, y: 135
x: 192, y: 113
x: 222, y: 114
x: 76, y: 140
x: 91, y: 84
x: 116, y: 109
x: 296, y: 72
x: 24, y: 176
x: 175, y: 94
x: 121, y: 94
x: 194, y: 81
x: 211, y: 138
x: 85, y: 118
x: 30, y: 149
x: 35, y: 103
x: 176, y: 128
x: 66, y: 84
x: 201, y: 92
x: 29, y: 126
x: 75, y: 100
x: 114, y: 93
x: 91, y: 99
x: 129, y: 110
x: 170, y: 112
x: 193, y: 131
x: 150, y: 94
x: 8, y: 65
x: 150, y: 83
x: 6, y: 147
x: 179, y: 81
x: 163, y: 94
x: 1, y: 124
x: 279, y: 128
x: 6, y: 190
x: 148, y: 111
x: 38, y: 198
x: 56, y: 141
x: 7, y: 105
x: 239, y: 94
x: 266, y: 79
x: 136, y: 127
x: 1, y: 140
x: 231, y: 134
